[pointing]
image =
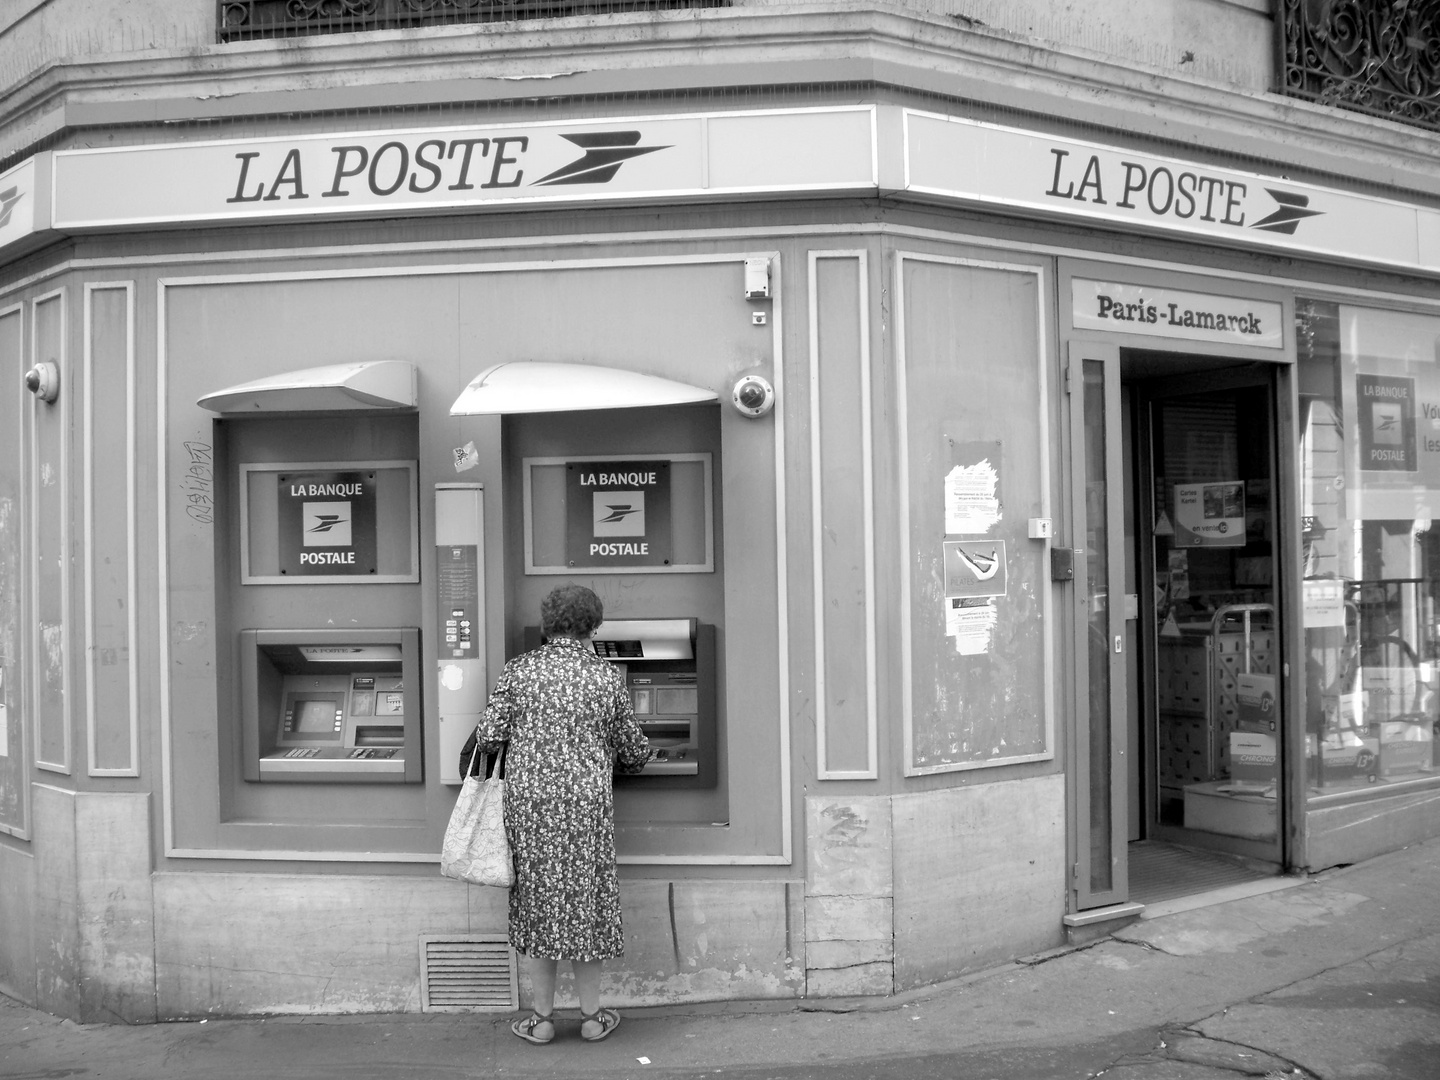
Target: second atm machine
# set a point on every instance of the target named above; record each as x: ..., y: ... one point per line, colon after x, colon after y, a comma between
x: 670, y: 671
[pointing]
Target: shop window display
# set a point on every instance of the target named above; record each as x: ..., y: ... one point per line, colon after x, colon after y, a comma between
x: 1370, y: 485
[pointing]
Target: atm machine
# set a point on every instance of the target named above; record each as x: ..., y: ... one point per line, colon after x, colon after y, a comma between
x: 669, y: 668
x: 331, y: 706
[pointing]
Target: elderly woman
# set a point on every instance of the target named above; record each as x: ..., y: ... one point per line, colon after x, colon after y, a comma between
x: 567, y: 717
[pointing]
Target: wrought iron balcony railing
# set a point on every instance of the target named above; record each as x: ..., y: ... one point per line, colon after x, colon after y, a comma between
x: 238, y: 20
x: 1375, y: 56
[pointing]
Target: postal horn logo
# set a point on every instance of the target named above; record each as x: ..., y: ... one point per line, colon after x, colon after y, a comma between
x: 605, y: 152
x: 983, y: 566
x: 8, y: 198
x: 326, y: 524
x: 1293, y: 210
x: 618, y: 513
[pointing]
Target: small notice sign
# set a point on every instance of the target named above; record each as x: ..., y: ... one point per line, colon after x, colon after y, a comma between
x: 1210, y: 515
x: 326, y: 523
x: 971, y: 622
x: 1324, y: 603
x: 617, y: 513
x: 975, y: 568
x: 971, y: 504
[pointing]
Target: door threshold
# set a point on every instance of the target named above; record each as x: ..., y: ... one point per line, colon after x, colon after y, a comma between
x: 1221, y: 895
x: 1104, y: 914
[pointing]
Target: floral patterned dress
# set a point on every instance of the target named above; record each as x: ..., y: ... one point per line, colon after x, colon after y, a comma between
x: 565, y: 712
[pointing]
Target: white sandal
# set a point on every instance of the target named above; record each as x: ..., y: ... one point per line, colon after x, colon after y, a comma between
x: 598, y: 1024
x: 534, y: 1028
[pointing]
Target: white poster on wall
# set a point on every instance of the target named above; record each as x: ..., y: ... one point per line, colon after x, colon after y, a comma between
x: 971, y: 504
x: 971, y: 621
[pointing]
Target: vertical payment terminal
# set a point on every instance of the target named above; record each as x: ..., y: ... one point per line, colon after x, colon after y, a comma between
x: 328, y: 706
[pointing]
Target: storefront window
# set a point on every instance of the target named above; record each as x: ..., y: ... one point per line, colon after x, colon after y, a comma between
x: 1370, y: 486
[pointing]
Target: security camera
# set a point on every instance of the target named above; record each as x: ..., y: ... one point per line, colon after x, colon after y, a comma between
x: 43, y: 380
x: 753, y: 396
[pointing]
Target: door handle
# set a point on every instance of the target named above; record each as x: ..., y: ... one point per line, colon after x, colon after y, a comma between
x: 1118, y: 642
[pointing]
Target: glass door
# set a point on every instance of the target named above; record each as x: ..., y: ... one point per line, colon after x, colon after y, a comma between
x: 1098, y: 744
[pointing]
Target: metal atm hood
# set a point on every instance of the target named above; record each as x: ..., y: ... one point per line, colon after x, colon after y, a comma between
x: 366, y: 384
x: 528, y: 386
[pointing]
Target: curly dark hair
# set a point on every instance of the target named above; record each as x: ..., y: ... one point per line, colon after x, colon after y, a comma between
x: 570, y: 611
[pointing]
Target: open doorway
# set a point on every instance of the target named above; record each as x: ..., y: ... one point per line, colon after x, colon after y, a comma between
x: 1177, y: 760
x: 1203, y: 775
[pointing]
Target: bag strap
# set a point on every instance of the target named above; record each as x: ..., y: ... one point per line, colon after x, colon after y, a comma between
x: 499, y: 771
x: 470, y: 768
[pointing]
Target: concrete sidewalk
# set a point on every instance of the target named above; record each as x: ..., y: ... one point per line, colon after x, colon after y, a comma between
x: 1337, y: 976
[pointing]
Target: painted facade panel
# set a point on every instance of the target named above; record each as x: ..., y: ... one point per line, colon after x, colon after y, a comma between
x: 296, y: 943
x: 18, y: 966
x: 114, y: 913
x: 979, y: 877
x: 975, y: 446
x: 706, y: 940
x: 843, y: 516
x: 50, y: 561
x: 849, y: 895
x: 112, y: 723
x: 59, y: 966
x: 14, y: 752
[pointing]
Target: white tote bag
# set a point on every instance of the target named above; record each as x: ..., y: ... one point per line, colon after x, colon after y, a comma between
x: 476, y: 848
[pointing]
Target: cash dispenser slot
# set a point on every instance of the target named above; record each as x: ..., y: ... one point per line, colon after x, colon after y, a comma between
x: 331, y: 706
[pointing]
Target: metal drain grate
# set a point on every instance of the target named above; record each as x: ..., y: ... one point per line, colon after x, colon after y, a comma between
x: 468, y: 973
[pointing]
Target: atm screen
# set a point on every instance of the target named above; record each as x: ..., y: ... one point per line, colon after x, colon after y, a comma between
x: 317, y: 716
x: 677, y: 699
